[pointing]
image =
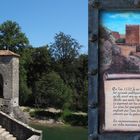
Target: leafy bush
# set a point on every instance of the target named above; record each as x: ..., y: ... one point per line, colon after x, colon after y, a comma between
x: 26, y: 110
x: 66, y: 113
x: 120, y: 40
x: 67, y: 116
x: 74, y: 119
x: 51, y: 91
x: 45, y: 115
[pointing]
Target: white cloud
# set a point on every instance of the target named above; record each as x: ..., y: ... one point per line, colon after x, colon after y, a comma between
x: 126, y: 15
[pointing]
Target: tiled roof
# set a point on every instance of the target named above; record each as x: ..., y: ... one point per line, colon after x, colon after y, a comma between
x: 8, y: 53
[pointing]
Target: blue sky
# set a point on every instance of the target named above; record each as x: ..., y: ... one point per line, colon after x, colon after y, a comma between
x: 40, y: 20
x: 117, y: 20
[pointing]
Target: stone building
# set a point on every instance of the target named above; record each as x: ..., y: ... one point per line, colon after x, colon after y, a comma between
x: 116, y: 35
x: 132, y: 34
x: 9, y: 80
x: 12, y: 119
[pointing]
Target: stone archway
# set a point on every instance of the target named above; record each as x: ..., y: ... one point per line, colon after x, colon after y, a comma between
x: 1, y: 86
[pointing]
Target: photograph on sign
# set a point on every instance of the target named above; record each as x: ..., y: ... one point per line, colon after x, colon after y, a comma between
x: 119, y: 47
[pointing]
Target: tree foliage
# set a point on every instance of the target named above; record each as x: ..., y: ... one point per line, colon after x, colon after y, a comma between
x: 120, y: 40
x: 11, y: 36
x: 51, y: 91
x: 25, y: 59
x: 50, y: 76
x: 64, y: 48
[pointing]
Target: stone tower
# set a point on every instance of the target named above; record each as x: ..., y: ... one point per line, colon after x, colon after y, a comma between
x: 132, y: 34
x: 9, y: 81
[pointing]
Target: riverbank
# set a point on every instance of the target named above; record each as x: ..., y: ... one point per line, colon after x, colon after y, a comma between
x: 57, y: 124
x: 55, y: 117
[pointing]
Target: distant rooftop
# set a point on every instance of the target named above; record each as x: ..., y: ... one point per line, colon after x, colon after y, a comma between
x: 8, y: 53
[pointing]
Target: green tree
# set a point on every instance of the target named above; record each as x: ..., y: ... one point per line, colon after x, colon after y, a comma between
x: 11, y: 36
x: 25, y: 60
x: 72, y: 68
x: 41, y: 63
x: 81, y: 82
x: 51, y: 91
x: 64, y: 50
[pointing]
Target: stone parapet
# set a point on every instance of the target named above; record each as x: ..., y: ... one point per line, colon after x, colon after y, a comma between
x: 18, y: 129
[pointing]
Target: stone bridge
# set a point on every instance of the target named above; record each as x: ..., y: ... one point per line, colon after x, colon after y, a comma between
x: 12, y: 129
x: 11, y: 117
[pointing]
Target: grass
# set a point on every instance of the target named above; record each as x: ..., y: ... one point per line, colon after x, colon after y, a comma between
x: 62, y: 132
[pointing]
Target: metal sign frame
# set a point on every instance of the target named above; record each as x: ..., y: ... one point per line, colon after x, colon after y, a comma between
x: 93, y: 66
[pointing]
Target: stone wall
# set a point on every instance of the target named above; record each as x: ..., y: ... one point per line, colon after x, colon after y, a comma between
x: 20, y: 130
x: 132, y: 34
x: 9, y: 69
